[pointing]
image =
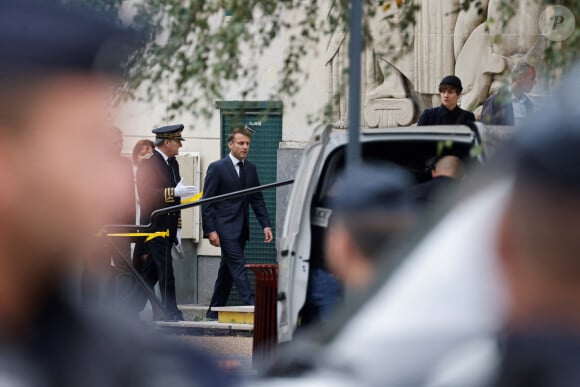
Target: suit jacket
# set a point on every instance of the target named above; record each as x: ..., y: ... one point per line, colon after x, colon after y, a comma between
x: 156, y: 182
x: 441, y: 116
x: 499, y: 110
x: 230, y: 217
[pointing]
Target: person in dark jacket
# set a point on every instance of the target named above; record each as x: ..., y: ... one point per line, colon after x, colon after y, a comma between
x: 511, y: 104
x: 159, y: 185
x: 226, y: 223
x: 449, y: 113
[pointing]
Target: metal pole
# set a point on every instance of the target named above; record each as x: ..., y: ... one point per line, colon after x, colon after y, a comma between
x: 355, y: 49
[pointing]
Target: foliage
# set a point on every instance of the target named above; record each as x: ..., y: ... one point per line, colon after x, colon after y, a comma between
x: 200, y: 47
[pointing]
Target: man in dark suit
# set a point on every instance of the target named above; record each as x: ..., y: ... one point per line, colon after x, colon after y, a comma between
x: 449, y: 113
x: 226, y: 223
x: 511, y: 104
x: 159, y: 185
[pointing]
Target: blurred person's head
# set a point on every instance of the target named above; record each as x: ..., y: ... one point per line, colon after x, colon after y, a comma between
x: 142, y: 150
x: 450, y: 89
x: 523, y: 78
x: 370, y: 207
x: 55, y: 171
x: 449, y: 166
x: 168, y: 139
x: 538, y: 239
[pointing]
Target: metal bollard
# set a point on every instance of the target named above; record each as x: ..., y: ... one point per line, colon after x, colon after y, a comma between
x: 265, y: 329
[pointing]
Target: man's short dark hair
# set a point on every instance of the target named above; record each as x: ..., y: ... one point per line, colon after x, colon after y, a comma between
x: 243, y: 130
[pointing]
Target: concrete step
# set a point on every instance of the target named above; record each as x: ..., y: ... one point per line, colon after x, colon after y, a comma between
x: 226, y: 314
x: 192, y: 312
x: 205, y: 328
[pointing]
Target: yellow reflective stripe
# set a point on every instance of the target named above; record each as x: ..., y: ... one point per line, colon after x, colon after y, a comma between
x: 192, y: 199
x: 149, y: 235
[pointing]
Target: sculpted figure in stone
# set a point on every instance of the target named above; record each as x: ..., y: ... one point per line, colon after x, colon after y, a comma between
x: 399, y: 81
x: 481, y: 62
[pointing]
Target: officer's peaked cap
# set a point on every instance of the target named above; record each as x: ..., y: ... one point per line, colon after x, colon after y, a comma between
x: 169, y: 132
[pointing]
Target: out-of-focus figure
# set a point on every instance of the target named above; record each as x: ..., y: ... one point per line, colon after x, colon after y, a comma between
x: 59, y: 186
x: 142, y: 149
x: 511, y: 105
x: 447, y: 172
x: 120, y: 285
x: 371, y: 208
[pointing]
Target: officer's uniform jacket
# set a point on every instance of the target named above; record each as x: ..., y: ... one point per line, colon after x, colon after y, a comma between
x: 156, y: 182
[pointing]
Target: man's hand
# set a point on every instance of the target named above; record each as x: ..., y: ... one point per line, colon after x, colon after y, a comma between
x: 214, y: 239
x: 268, y: 235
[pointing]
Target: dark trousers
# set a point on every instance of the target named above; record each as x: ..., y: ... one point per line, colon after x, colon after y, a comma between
x: 323, y: 294
x: 158, y: 266
x: 232, y: 271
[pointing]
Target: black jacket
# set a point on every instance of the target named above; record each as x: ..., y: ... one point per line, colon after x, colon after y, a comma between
x: 230, y: 217
x: 156, y: 182
x: 442, y: 116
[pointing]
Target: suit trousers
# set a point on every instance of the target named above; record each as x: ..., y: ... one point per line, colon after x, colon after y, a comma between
x: 232, y: 271
x: 159, y: 267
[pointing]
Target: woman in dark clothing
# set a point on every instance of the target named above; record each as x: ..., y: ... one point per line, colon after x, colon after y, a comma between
x: 448, y: 113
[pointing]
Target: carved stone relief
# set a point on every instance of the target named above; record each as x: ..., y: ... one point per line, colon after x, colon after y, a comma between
x: 397, y: 84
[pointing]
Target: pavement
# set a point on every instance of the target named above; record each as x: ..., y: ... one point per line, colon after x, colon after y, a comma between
x: 230, y: 343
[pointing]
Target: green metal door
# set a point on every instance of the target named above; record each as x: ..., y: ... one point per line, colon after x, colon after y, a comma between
x: 265, y: 117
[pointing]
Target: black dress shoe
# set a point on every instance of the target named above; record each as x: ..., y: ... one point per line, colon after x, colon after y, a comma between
x: 211, y: 315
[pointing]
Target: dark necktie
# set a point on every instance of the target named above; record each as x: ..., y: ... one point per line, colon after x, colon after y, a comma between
x: 173, y: 166
x: 242, y: 173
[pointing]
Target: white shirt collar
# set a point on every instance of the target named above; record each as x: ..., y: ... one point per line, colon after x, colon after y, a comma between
x: 162, y: 154
x: 234, y: 160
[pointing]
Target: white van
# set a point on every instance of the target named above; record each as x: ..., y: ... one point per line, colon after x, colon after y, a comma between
x: 414, y: 148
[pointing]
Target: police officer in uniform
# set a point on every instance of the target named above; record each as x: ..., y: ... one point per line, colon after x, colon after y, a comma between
x: 159, y: 185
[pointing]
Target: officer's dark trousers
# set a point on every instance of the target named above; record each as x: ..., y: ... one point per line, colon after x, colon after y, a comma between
x: 159, y: 267
x: 232, y: 271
